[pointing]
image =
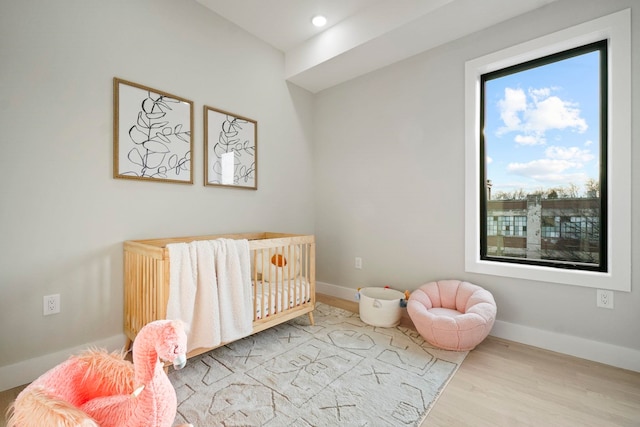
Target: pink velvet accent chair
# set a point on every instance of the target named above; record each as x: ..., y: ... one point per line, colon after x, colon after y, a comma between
x: 452, y: 314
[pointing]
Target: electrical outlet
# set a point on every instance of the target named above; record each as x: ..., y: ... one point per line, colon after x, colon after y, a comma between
x: 51, y: 304
x: 604, y: 298
x: 358, y: 263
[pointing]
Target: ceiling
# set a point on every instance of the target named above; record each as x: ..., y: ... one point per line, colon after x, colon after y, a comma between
x: 361, y: 35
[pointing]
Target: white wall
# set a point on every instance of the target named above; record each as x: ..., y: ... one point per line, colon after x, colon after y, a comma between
x: 62, y: 216
x: 389, y: 154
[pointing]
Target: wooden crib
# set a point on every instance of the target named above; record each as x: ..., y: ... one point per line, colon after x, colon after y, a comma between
x: 282, y: 270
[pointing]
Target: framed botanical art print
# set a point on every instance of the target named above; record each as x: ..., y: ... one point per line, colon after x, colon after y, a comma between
x: 152, y: 134
x: 231, y: 150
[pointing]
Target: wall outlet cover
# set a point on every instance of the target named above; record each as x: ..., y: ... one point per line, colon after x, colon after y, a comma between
x: 604, y: 298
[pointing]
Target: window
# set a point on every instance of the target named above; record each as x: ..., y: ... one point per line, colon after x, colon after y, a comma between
x: 571, y: 231
x: 550, y: 226
x: 543, y: 138
x: 507, y: 226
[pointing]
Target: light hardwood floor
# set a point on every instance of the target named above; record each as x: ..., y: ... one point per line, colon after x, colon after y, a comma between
x: 502, y: 383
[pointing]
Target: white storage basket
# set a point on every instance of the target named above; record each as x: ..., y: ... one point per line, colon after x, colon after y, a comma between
x: 381, y: 306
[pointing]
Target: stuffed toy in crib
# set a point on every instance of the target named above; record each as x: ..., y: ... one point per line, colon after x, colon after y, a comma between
x: 98, y: 389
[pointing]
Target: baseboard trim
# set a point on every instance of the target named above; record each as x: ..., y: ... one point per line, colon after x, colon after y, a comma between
x: 26, y: 371
x: 609, y: 354
x: 336, y: 291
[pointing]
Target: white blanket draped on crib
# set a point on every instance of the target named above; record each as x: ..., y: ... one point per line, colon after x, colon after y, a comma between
x: 210, y: 290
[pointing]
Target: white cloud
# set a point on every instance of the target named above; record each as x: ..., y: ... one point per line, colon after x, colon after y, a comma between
x: 569, y: 153
x: 554, y: 113
x: 537, y: 94
x: 534, y: 113
x: 540, y: 167
x: 560, y: 166
x: 489, y: 160
x: 514, y: 102
x: 529, y: 140
x: 549, y: 171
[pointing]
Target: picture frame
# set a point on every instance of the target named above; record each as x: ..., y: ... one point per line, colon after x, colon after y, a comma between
x: 152, y: 134
x: 230, y: 150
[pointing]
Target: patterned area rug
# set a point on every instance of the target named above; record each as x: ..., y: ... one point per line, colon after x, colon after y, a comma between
x: 339, y: 372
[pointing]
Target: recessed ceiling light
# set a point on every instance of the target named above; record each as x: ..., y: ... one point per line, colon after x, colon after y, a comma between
x: 319, y: 21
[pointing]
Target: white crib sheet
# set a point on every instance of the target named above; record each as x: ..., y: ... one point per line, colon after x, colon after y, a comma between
x: 273, y: 292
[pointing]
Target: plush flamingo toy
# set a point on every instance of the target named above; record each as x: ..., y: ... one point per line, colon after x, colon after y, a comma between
x: 97, y: 389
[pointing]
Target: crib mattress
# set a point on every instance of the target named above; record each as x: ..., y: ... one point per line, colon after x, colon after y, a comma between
x: 270, y: 296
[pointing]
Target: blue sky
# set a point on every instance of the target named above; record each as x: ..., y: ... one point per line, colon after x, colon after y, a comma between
x: 542, y: 126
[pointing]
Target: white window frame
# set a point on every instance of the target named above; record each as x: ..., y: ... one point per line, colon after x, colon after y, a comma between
x: 616, y: 28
